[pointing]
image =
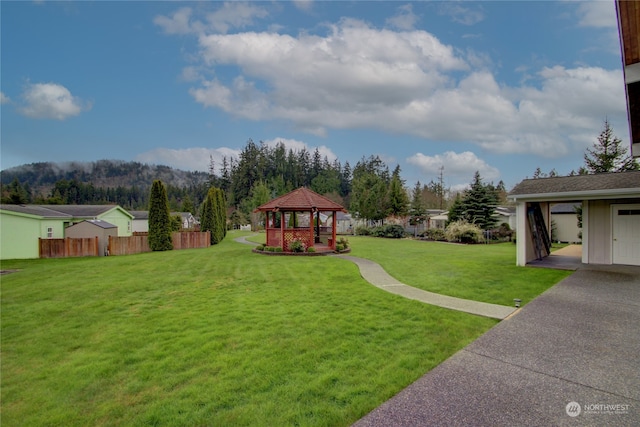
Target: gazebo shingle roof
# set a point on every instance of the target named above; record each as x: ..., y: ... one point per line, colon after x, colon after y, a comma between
x: 301, y: 199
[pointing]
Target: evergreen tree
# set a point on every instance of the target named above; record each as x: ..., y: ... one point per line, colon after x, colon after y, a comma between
x: 417, y: 211
x: 159, y: 218
x: 187, y: 205
x: 480, y: 203
x: 457, y: 210
x: 213, y: 217
x: 608, y: 155
x: 398, y: 199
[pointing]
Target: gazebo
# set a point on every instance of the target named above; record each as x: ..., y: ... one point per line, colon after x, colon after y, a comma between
x: 301, y: 214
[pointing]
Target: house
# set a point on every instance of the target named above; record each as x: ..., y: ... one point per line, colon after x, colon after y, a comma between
x: 344, y: 223
x: 22, y: 225
x: 141, y: 221
x: 505, y: 214
x: 437, y: 218
x: 610, y: 216
x: 628, y: 13
x: 93, y: 228
x: 565, y: 219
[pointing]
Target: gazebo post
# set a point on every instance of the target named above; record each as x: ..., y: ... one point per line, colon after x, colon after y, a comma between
x: 282, y: 221
x: 312, y: 240
x: 333, y: 230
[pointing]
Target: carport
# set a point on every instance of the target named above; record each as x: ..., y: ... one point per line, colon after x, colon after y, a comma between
x: 610, y: 216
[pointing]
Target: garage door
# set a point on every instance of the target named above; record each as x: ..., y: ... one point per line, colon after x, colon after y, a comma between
x: 626, y: 234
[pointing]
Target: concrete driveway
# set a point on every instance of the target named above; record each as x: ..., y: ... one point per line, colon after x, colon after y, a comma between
x: 570, y: 357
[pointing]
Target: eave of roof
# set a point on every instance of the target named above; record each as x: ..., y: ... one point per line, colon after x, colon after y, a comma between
x: 301, y: 199
x: 579, y: 187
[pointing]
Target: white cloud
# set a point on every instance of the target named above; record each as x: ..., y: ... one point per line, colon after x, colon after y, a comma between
x: 51, y: 101
x: 230, y: 15
x: 402, y: 82
x: 305, y: 5
x: 405, y: 19
x: 195, y: 159
x: 459, y: 166
x: 598, y: 14
x: 4, y: 99
x: 462, y: 14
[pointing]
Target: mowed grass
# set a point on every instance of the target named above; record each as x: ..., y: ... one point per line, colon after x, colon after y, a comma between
x: 486, y: 273
x: 217, y: 336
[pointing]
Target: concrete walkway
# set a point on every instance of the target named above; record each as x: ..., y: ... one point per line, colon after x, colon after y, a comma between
x: 567, y: 358
x: 375, y: 274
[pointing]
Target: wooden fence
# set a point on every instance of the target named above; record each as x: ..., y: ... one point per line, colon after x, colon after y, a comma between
x: 69, y: 247
x: 140, y: 243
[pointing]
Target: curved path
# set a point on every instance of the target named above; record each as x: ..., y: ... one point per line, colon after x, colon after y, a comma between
x: 375, y: 274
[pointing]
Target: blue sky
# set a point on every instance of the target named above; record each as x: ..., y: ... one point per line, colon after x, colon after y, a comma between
x: 500, y: 87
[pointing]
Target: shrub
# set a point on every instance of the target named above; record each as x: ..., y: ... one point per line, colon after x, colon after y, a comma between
x: 463, y: 232
x: 363, y: 231
x: 339, y: 248
x: 391, y: 231
x: 277, y: 249
x: 343, y: 241
x: 261, y: 247
x: 311, y: 249
x: 297, y: 245
x: 435, y: 234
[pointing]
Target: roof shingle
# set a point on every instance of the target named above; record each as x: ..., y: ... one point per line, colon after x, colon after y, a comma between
x: 301, y: 199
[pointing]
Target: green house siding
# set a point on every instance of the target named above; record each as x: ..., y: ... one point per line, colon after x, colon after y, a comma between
x: 119, y: 217
x: 19, y: 234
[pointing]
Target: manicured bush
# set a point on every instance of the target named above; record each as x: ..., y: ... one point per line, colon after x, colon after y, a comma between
x: 277, y: 249
x: 339, y: 248
x: 390, y: 231
x: 311, y: 249
x: 343, y: 241
x: 463, y: 232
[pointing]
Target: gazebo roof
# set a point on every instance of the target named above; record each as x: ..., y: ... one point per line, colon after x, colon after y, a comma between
x: 301, y: 199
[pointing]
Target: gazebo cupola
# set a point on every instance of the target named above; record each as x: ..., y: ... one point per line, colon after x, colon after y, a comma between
x: 304, y: 215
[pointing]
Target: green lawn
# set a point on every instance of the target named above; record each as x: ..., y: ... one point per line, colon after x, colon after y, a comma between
x: 217, y: 336
x: 485, y: 273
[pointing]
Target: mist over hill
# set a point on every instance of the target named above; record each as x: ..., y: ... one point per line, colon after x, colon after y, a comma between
x: 41, y: 177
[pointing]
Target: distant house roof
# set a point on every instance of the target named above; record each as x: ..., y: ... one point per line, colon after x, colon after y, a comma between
x: 579, y: 187
x: 97, y: 222
x: 301, y: 199
x: 84, y: 211
x: 140, y: 214
x: 62, y: 211
x: 34, y: 210
x: 564, y: 208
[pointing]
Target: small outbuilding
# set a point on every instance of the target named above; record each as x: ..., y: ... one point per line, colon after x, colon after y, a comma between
x: 610, y: 216
x: 94, y: 228
x: 302, y: 215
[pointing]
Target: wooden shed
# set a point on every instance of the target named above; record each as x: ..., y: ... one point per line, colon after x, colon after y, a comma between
x: 93, y: 228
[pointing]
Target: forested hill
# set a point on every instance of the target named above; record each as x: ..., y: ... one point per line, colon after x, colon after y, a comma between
x: 103, y: 181
x: 103, y: 173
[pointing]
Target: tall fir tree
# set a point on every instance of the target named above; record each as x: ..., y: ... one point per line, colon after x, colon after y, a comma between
x: 159, y: 218
x: 398, y: 199
x: 417, y: 210
x: 480, y: 203
x: 608, y: 154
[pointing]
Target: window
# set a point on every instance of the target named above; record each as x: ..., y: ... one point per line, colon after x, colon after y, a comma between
x: 629, y: 212
x: 129, y: 226
x: 49, y: 232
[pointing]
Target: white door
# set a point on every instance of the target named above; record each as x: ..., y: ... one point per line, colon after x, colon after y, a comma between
x: 626, y: 234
